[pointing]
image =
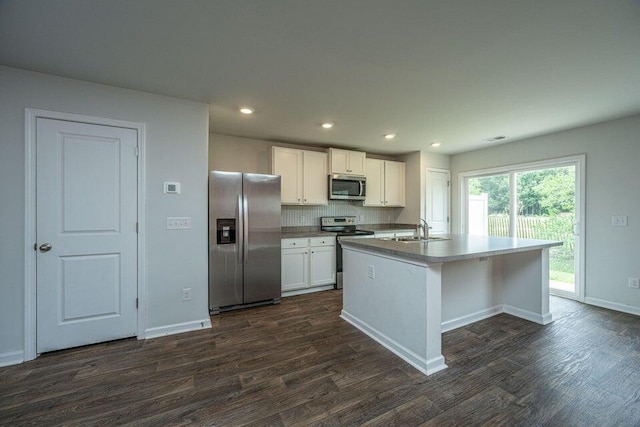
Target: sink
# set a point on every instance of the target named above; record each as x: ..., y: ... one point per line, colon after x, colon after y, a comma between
x: 409, y: 239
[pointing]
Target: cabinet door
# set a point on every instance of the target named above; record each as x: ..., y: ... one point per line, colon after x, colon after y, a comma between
x: 375, y: 189
x: 287, y: 163
x: 393, y: 183
x: 315, y: 179
x: 322, y: 265
x: 339, y: 161
x: 294, y: 269
x: 357, y: 162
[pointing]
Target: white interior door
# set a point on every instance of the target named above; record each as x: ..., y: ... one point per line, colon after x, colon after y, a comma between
x: 86, y: 198
x: 437, y: 201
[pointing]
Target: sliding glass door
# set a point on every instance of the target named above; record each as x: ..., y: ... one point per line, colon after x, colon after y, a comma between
x: 533, y: 201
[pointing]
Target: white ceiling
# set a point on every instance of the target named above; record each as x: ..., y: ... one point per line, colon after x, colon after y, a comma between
x: 453, y: 71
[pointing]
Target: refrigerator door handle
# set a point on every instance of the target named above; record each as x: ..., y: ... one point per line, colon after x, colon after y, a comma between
x: 240, y: 229
x: 245, y: 226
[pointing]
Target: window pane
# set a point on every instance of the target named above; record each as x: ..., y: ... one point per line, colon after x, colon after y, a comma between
x: 546, y: 210
x: 489, y: 205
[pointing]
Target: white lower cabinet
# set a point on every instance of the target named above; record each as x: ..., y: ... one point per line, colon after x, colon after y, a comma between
x: 308, y: 264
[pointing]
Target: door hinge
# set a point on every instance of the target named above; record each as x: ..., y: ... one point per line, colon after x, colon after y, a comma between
x: 137, y: 227
x: 447, y: 219
x: 35, y: 246
x: 136, y: 302
x: 448, y: 183
x: 137, y: 151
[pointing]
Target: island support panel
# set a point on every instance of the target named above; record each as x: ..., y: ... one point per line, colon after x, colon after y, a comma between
x: 399, y: 301
x: 399, y: 307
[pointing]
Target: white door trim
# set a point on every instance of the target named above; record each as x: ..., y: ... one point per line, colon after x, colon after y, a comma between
x: 31, y: 115
x: 426, y: 186
x: 579, y: 161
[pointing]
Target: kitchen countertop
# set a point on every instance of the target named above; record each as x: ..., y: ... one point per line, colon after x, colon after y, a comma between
x: 386, y: 227
x: 302, y: 232
x: 310, y: 231
x: 461, y: 246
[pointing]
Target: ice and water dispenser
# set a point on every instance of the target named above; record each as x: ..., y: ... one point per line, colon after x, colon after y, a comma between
x: 226, y: 231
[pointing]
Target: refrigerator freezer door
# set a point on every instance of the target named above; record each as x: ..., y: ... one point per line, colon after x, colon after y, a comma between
x: 225, y: 259
x: 262, y: 237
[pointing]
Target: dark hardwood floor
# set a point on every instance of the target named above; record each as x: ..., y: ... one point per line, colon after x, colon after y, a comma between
x: 299, y: 364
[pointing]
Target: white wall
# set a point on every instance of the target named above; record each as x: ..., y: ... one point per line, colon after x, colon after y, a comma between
x: 235, y: 154
x: 176, y: 143
x: 612, y: 154
x: 416, y: 165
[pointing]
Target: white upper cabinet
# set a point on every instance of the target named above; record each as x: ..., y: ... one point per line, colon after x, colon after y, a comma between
x: 303, y: 176
x: 393, y: 183
x: 385, y: 183
x: 347, y: 162
x: 315, y: 180
x: 375, y: 182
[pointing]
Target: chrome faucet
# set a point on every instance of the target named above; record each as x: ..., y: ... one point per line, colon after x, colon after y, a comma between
x: 425, y: 229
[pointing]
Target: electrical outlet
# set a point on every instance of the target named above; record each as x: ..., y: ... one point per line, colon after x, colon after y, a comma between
x: 186, y: 294
x: 634, y: 282
x: 619, y: 220
x: 372, y: 272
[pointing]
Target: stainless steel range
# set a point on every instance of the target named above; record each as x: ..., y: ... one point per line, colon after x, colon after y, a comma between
x: 343, y: 226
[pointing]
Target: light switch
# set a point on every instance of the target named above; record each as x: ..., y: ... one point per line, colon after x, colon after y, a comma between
x: 619, y: 221
x: 178, y: 222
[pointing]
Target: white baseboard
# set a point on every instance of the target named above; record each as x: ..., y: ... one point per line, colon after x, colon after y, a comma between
x: 307, y: 291
x: 613, y: 305
x: 459, y: 322
x: 542, y: 319
x: 177, y: 328
x: 423, y: 365
x: 11, y: 358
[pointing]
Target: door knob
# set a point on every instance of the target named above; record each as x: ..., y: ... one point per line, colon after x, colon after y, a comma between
x: 45, y: 247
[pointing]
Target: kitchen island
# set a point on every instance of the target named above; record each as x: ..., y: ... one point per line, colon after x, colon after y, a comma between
x: 405, y: 294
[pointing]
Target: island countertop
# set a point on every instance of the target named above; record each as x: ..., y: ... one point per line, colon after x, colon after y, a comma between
x: 459, y: 247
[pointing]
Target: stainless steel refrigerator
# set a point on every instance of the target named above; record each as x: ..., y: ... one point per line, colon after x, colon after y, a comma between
x: 244, y: 240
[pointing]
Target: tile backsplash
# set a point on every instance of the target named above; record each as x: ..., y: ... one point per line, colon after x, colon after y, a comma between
x: 296, y: 216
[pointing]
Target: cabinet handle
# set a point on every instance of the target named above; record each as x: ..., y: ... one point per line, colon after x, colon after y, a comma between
x: 305, y: 200
x: 293, y: 244
x: 312, y: 252
x: 306, y: 253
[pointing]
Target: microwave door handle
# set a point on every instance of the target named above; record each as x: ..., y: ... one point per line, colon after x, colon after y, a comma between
x: 361, y: 187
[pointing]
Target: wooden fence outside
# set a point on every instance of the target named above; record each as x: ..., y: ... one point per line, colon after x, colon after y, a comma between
x: 536, y: 227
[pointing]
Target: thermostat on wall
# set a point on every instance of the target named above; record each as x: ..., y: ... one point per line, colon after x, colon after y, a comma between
x: 172, y: 188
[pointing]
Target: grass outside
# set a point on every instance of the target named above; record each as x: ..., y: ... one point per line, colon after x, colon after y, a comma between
x: 561, y: 263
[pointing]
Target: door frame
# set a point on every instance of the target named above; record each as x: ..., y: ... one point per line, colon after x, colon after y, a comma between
x: 579, y: 161
x: 426, y: 188
x: 30, y: 313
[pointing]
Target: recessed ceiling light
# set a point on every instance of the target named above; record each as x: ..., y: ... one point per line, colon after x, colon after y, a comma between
x: 246, y: 110
x: 435, y: 144
x: 327, y: 125
x: 495, y: 138
x: 389, y: 135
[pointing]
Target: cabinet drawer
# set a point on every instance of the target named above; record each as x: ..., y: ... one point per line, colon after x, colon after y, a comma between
x: 322, y: 241
x: 295, y: 243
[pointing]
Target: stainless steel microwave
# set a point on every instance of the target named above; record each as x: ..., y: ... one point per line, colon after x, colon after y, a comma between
x: 347, y: 187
